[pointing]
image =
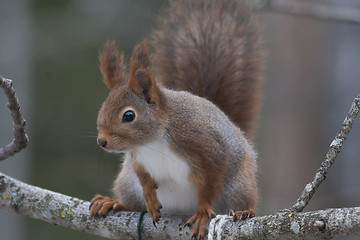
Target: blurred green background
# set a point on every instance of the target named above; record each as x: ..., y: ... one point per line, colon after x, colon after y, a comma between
x: 50, y: 49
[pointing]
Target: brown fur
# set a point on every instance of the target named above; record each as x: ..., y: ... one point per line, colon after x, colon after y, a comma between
x: 111, y: 64
x: 210, y: 49
x: 142, y: 81
x: 148, y: 184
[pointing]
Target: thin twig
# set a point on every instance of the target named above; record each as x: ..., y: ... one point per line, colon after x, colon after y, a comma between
x: 334, y: 150
x: 20, y: 138
x: 310, y: 9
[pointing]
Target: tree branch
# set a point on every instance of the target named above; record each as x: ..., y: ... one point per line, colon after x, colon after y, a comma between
x: 71, y: 212
x: 310, y: 9
x: 20, y: 138
x: 335, y: 148
x: 66, y: 211
x: 323, y: 224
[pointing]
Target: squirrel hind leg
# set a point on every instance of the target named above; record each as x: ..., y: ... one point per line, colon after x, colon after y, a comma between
x: 100, y: 206
x: 242, y: 215
x: 198, y: 222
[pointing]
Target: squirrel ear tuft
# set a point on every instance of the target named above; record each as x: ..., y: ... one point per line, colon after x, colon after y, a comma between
x: 111, y: 65
x: 140, y: 57
x: 142, y: 81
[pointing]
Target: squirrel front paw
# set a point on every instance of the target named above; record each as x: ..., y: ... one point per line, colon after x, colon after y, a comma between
x: 153, y: 206
x: 100, y: 206
x: 242, y: 215
x: 198, y: 221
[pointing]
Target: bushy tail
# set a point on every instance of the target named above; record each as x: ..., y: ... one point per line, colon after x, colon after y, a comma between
x: 212, y: 49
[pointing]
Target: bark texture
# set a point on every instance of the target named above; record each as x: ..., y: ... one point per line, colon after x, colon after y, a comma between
x: 71, y: 212
x: 323, y: 224
x: 20, y: 138
x: 66, y: 211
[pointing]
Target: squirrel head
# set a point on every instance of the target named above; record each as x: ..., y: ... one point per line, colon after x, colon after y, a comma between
x: 132, y: 114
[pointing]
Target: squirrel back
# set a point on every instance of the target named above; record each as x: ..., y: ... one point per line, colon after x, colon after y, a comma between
x: 212, y: 49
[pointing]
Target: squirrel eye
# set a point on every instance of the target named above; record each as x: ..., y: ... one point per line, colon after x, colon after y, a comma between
x: 128, y: 116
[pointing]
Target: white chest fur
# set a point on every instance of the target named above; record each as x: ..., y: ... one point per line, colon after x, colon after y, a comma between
x: 170, y: 172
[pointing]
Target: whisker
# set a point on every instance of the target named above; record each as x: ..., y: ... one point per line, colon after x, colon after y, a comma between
x: 88, y: 136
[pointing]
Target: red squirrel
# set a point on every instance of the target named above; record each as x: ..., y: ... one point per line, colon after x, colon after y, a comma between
x: 186, y: 131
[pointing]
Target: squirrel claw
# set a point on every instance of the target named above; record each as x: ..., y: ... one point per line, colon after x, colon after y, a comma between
x: 242, y: 215
x: 100, y: 206
x: 231, y: 212
x: 187, y: 224
x: 198, y: 221
x: 153, y: 208
x: 156, y: 220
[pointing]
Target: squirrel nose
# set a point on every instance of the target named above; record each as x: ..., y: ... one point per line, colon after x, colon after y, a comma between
x: 102, y: 142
